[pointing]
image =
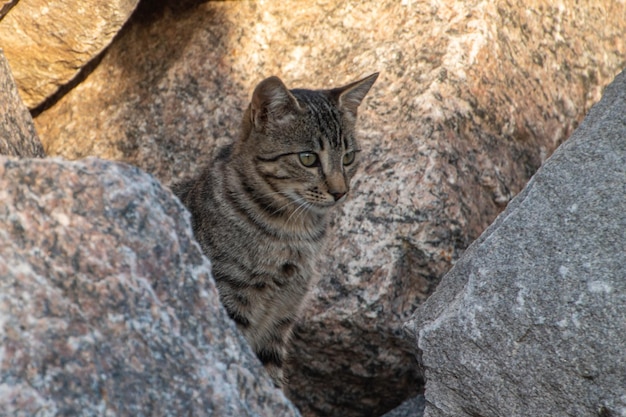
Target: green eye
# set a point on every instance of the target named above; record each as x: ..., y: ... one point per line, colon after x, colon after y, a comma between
x: 308, y: 159
x: 348, y: 158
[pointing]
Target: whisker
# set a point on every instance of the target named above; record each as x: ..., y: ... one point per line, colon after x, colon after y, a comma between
x: 306, y: 207
x: 300, y: 208
x: 259, y: 199
x: 284, y: 206
x: 303, y: 204
x: 296, y: 210
x: 290, y: 203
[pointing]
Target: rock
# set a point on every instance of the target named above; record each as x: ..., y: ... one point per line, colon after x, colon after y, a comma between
x: 17, y: 131
x: 413, y: 407
x: 530, y: 322
x: 107, y: 305
x: 47, y: 42
x: 472, y: 97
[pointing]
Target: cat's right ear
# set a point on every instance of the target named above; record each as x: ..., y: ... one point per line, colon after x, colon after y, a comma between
x: 350, y: 96
x: 272, y: 103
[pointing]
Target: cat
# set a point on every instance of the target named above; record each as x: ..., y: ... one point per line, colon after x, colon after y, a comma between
x: 260, y: 210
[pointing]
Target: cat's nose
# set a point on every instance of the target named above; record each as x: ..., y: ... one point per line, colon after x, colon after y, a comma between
x: 337, y: 196
x: 336, y: 185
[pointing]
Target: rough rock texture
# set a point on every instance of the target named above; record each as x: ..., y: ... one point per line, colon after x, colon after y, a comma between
x: 413, y: 407
x: 107, y: 306
x: 48, y: 41
x: 473, y: 96
x: 17, y: 131
x: 530, y: 322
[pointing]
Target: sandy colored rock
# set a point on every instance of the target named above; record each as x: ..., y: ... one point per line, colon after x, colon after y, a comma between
x: 107, y: 306
x: 473, y: 96
x: 530, y: 321
x: 17, y: 131
x: 48, y: 41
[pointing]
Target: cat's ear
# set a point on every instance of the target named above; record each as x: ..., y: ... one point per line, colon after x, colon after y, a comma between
x: 350, y: 96
x: 272, y: 103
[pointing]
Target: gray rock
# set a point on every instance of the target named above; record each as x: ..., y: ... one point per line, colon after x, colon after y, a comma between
x: 17, y: 131
x: 107, y: 306
x: 413, y: 407
x: 531, y: 321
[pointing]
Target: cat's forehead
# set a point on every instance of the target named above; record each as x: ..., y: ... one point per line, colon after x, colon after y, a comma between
x: 316, y: 102
x: 323, y: 118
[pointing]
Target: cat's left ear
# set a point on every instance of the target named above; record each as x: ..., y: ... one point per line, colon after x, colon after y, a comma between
x: 273, y: 103
x: 350, y: 96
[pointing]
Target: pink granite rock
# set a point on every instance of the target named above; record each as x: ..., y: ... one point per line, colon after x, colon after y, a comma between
x: 107, y: 306
x: 48, y: 42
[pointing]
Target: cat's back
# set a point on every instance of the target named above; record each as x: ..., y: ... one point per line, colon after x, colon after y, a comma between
x: 202, y: 198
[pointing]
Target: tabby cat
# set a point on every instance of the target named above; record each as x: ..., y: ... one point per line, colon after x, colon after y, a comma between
x: 260, y: 211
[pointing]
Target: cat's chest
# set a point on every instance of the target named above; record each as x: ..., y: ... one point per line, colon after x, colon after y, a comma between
x: 283, y: 264
x: 285, y: 257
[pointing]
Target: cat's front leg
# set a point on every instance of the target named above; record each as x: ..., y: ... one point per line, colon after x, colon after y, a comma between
x: 273, y: 362
x: 273, y: 353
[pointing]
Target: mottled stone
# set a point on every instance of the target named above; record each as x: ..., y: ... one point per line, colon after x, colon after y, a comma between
x: 17, y: 131
x: 47, y: 42
x: 473, y: 96
x: 530, y: 321
x: 107, y: 306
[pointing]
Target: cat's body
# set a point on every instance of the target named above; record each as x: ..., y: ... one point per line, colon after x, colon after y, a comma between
x: 260, y: 210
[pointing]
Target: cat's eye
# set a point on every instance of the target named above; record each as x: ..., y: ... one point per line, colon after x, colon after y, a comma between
x: 308, y: 159
x: 348, y: 158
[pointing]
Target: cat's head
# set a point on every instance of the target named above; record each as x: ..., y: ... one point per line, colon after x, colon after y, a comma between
x: 299, y: 144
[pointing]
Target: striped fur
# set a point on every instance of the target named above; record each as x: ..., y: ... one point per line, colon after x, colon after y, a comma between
x: 260, y: 214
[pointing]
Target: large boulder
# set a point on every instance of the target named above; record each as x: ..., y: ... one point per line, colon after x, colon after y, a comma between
x: 107, y: 305
x: 48, y: 42
x: 530, y: 322
x: 17, y: 131
x: 472, y: 97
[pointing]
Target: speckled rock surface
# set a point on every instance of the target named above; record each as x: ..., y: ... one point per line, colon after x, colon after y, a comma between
x: 473, y: 96
x: 107, y: 306
x: 530, y: 322
x: 17, y: 131
x: 48, y: 41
